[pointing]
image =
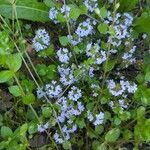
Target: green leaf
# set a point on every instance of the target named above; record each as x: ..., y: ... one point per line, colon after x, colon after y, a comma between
x: 29, y: 10
x: 112, y: 135
x: 99, y: 129
x: 83, y: 9
x: 46, y: 112
x: 109, y: 65
x: 103, y: 146
x: 64, y: 41
x: 23, y: 129
x: 6, y: 132
x: 67, y: 145
x: 81, y: 123
x: 15, y: 90
x: 127, y: 5
x: 142, y: 23
x: 14, y: 62
x: 29, y: 99
x: 60, y: 17
x: 49, y: 3
x: 32, y: 128
x: 74, y: 12
x: 5, y: 76
x: 146, y: 97
x: 52, y: 72
x: 142, y: 130
x: 125, y: 115
x: 140, y: 113
x: 103, y: 28
x: 103, y: 12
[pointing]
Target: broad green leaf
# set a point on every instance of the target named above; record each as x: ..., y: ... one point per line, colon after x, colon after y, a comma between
x: 112, y: 135
x: 142, y: 130
x: 14, y: 62
x: 103, y: 12
x: 140, y: 113
x: 29, y: 10
x: 32, y: 128
x: 49, y: 3
x: 127, y: 5
x: 74, y: 12
x: 99, y: 129
x: 46, y: 112
x: 52, y: 73
x: 142, y: 23
x: 5, y: 76
x: 15, y: 90
x: 103, y: 146
x: 67, y: 145
x: 103, y: 28
x: 64, y: 41
x: 83, y: 9
x: 146, y: 97
x: 81, y: 123
x: 23, y: 129
x: 109, y: 65
x: 6, y: 132
x: 60, y: 17
x: 127, y: 134
x: 29, y: 99
x: 125, y: 115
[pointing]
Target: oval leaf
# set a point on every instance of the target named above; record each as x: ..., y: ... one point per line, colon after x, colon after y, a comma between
x: 14, y: 62
x: 5, y: 76
x: 112, y: 135
x: 6, y: 132
x: 29, y: 10
x: 29, y: 99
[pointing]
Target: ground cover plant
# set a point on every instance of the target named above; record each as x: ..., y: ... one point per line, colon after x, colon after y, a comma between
x: 74, y: 74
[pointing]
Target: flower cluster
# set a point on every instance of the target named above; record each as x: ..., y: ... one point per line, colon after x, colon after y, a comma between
x: 99, y: 118
x: 41, y: 40
x: 74, y: 94
x: 91, y: 4
x: 42, y: 128
x: 84, y: 29
x: 128, y: 56
x: 53, y: 15
x: 117, y: 89
x: 84, y: 79
x: 67, y: 111
x: 93, y: 51
x: 52, y: 90
x: 64, y: 55
x: 121, y: 103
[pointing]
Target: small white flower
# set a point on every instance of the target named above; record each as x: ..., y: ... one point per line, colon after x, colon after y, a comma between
x: 42, y: 128
x: 40, y: 93
x: 66, y: 10
x: 90, y: 116
x: 57, y: 138
x: 53, y: 14
x: 144, y: 36
x: 122, y: 104
x: 99, y: 119
x: 80, y: 106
